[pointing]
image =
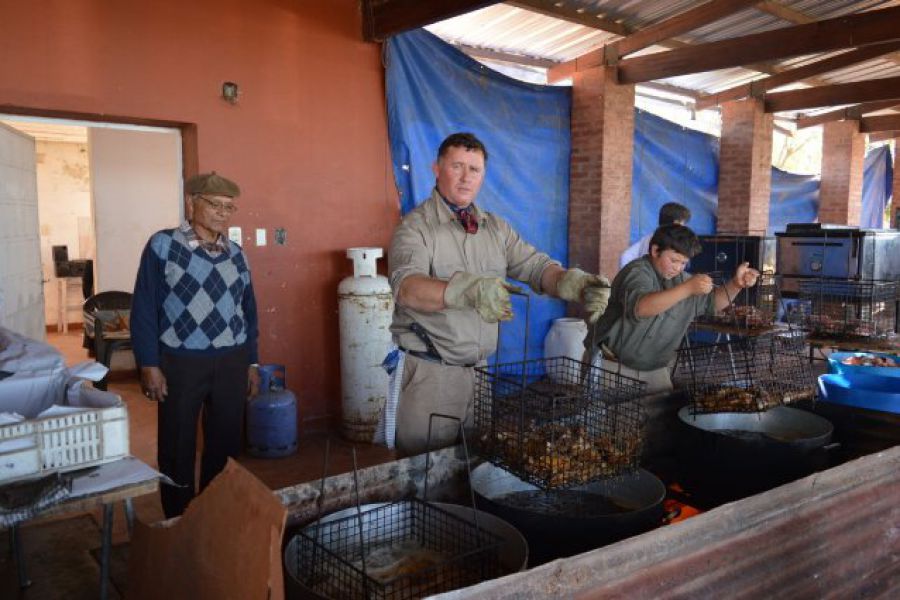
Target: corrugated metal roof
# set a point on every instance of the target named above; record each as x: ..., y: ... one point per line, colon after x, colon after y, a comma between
x: 517, y: 31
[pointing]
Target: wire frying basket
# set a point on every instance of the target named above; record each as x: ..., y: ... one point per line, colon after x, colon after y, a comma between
x: 849, y: 309
x: 754, y: 310
x: 397, y: 550
x: 746, y: 373
x: 558, y: 422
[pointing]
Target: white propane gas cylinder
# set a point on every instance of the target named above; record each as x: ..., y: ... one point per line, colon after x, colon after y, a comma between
x: 365, y: 307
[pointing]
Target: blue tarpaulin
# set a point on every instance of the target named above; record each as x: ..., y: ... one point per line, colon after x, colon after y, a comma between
x: 672, y: 164
x: 434, y: 90
x: 676, y: 164
x: 878, y: 174
x: 794, y: 199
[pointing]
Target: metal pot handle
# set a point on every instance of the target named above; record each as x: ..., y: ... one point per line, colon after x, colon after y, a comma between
x: 465, y: 445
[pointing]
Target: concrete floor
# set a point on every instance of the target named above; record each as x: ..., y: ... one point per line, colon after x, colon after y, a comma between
x: 58, y: 553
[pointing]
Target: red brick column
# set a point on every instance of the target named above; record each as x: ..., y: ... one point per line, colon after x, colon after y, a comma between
x: 895, y: 201
x: 843, y: 155
x: 600, y: 178
x: 745, y: 168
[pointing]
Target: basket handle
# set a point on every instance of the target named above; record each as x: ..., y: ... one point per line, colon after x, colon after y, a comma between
x: 465, y: 445
x: 515, y: 291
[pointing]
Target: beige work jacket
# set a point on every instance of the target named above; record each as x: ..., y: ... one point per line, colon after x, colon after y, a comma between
x: 431, y: 242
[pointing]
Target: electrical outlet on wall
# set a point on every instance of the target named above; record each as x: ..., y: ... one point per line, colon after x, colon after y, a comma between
x: 234, y: 234
x: 260, y: 237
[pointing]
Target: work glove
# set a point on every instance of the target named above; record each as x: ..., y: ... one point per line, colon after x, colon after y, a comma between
x: 574, y: 282
x: 596, y: 298
x: 487, y: 295
x: 591, y: 290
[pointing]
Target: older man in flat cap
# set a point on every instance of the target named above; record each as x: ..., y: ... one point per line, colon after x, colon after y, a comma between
x: 194, y: 333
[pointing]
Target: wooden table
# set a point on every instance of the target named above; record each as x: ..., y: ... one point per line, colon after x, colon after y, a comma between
x: 99, y: 493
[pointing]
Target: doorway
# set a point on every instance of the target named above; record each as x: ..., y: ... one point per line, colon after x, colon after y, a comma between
x: 102, y: 190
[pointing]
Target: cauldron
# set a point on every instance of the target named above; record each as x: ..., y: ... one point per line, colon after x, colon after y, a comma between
x: 739, y: 454
x: 561, y: 523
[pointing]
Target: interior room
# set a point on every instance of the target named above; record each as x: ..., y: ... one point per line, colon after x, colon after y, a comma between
x: 378, y: 298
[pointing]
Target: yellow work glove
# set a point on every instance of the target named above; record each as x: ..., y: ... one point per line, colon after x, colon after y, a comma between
x: 488, y: 295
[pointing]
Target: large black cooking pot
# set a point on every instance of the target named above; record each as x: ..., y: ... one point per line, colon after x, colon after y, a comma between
x: 745, y: 453
x: 561, y: 523
x: 512, y: 552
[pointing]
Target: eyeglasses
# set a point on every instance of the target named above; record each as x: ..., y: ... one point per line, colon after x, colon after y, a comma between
x: 219, y: 207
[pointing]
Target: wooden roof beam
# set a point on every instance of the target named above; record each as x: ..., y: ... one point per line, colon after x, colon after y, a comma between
x: 861, y: 29
x: 879, y: 123
x: 518, y: 59
x: 382, y: 18
x: 884, y: 136
x: 800, y: 18
x: 871, y: 90
x: 568, y: 69
x: 688, y: 20
x: 761, y: 86
x: 785, y: 13
x: 843, y: 114
x: 549, y: 8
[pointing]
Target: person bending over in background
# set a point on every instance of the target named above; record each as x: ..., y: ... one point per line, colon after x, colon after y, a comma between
x: 194, y: 333
x: 448, y: 262
x: 669, y: 213
x: 652, y: 304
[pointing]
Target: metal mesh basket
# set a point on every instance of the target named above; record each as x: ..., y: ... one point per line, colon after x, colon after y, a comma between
x: 408, y: 549
x: 754, y: 309
x: 848, y: 310
x: 557, y: 422
x: 746, y: 373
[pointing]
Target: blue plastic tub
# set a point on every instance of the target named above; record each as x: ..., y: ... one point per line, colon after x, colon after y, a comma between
x: 864, y: 391
x: 853, y: 371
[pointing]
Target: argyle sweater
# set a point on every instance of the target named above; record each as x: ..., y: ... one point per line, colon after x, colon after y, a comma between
x: 188, y: 302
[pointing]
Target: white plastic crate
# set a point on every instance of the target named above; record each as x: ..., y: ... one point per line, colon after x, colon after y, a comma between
x: 66, y: 442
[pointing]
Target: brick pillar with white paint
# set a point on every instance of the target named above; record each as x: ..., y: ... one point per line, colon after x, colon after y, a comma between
x: 745, y: 168
x: 843, y: 158
x: 601, y: 166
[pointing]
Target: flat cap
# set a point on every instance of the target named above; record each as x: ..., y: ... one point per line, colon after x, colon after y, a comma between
x: 211, y: 184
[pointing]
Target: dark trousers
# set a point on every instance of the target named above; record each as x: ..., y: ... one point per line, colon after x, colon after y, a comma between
x: 218, y: 385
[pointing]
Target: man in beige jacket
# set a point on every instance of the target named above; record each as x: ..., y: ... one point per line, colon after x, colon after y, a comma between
x: 449, y: 262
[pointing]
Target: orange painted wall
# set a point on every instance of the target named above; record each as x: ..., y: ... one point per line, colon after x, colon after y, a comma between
x: 307, y: 141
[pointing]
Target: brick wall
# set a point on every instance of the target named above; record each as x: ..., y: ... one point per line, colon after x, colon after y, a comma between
x: 745, y: 168
x: 843, y: 155
x: 601, y: 166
